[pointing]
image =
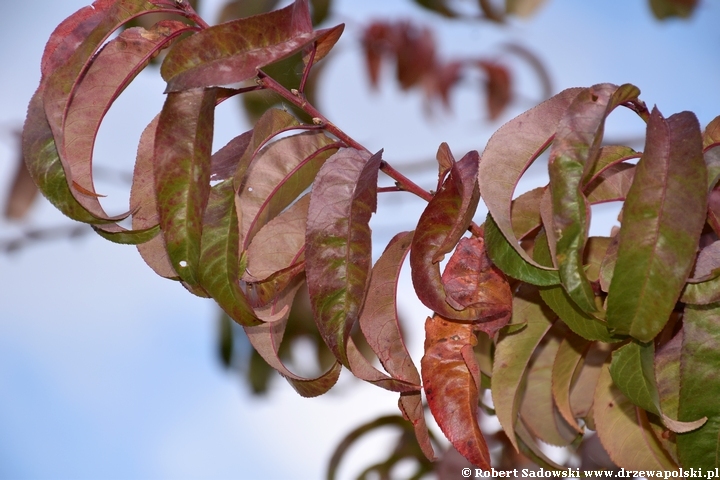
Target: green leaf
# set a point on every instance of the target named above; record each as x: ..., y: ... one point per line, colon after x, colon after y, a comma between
x: 699, y: 386
x: 219, y: 268
x: 513, y: 353
x: 663, y: 9
x: 117, y: 234
x: 509, y: 152
x: 507, y: 258
x: 632, y: 370
x: 584, y: 324
x: 233, y: 51
x: 662, y: 220
x: 277, y: 175
x: 183, y: 143
x: 441, y: 225
x: 625, y: 431
x: 338, y: 243
x: 572, y: 158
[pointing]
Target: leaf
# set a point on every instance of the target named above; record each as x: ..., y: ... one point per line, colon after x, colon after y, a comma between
x: 522, y: 8
x: 218, y: 271
x: 338, y: 243
x: 572, y: 158
x: 611, y: 185
x: 242, y: 9
x: 143, y: 204
x: 112, y: 69
x: 513, y: 353
x: 472, y: 281
x: 451, y: 379
x: 117, y: 234
x: 624, y: 430
x: 507, y: 258
x: 699, y: 386
x: 412, y: 409
x: 233, y: 51
x: 583, y: 324
x: 279, y: 244
x: 441, y: 225
x: 445, y: 161
x: 183, y: 141
x: 266, y: 339
x: 537, y: 408
x: 585, y: 383
x: 60, y: 87
x: 567, y: 362
x: 498, y: 88
x: 509, y: 152
x: 526, y: 212
x: 663, y: 9
x: 662, y: 220
x: 23, y: 193
x: 278, y: 174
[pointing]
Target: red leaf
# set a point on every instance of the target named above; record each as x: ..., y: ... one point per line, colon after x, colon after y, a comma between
x: 472, y: 281
x: 498, y: 88
x: 182, y: 174
x: 451, y: 379
x: 338, y: 243
x: 233, y: 51
x: 441, y: 225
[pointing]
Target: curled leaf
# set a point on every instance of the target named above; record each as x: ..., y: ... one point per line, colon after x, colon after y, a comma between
x: 451, y: 379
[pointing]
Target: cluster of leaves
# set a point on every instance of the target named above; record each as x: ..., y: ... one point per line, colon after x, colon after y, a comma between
x: 615, y: 334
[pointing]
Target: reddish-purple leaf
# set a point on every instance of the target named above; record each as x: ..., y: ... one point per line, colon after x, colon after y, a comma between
x: 509, y: 152
x: 379, y: 318
x: 472, y: 281
x: 233, y: 51
x: 363, y: 369
x: 572, y: 160
x: 143, y: 204
x: 279, y: 173
x: 266, y: 339
x: 279, y: 244
x: 662, y: 220
x: 444, y: 221
x: 338, y: 243
x: 183, y: 143
x: 451, y: 380
x: 498, y: 88
x: 61, y: 84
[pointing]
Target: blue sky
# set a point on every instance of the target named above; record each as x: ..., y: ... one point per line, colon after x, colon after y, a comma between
x: 108, y: 371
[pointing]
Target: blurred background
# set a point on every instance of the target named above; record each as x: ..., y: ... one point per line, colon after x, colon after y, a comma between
x: 109, y: 371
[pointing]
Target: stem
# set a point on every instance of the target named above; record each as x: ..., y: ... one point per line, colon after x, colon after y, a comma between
x: 191, y: 13
x: 298, y: 99
x: 306, y: 72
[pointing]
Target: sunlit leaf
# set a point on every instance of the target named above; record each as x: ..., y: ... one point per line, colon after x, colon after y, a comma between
x: 338, y: 243
x: 441, y: 225
x: 183, y: 143
x: 699, y: 386
x: 513, y: 353
x: 624, y: 430
x: 233, y: 51
x: 451, y: 379
x: 663, y: 217
x: 509, y: 152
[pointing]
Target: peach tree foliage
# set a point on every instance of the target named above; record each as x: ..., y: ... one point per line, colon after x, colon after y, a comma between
x: 617, y: 334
